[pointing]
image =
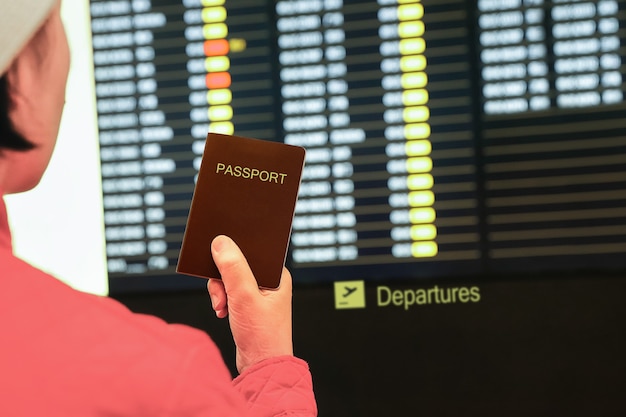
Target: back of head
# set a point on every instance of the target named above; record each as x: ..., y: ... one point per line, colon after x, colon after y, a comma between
x: 19, y: 20
x: 35, y: 60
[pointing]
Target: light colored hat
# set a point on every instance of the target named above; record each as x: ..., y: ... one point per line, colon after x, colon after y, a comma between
x: 19, y: 20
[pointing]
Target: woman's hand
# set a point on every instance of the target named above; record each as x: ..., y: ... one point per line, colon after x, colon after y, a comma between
x: 260, y: 319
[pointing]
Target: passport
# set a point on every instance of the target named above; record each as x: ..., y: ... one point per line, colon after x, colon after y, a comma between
x: 247, y: 190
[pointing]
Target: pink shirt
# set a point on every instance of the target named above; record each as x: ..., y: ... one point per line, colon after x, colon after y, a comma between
x: 66, y: 353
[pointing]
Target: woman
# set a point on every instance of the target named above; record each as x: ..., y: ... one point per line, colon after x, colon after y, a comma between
x: 67, y: 353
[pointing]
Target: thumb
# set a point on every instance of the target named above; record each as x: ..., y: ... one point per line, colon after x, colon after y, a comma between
x: 233, y: 266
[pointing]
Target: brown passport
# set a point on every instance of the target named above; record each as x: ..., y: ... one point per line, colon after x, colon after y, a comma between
x: 247, y: 190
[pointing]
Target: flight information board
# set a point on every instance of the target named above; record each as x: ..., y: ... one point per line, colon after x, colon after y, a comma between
x: 443, y: 138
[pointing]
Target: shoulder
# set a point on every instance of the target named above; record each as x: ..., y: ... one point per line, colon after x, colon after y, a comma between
x: 34, y: 298
x: 97, y: 349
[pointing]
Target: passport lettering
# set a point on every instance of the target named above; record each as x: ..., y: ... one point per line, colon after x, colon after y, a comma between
x: 250, y: 173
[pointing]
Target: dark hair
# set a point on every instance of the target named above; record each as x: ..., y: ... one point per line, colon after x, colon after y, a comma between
x: 9, y: 138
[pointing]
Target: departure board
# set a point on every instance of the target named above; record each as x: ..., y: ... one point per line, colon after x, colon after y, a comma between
x: 444, y: 137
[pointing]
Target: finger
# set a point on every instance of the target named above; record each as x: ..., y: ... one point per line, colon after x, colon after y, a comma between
x: 218, y: 297
x: 236, y: 274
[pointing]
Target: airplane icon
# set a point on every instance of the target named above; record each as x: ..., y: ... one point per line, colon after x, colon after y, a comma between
x: 349, y: 291
x: 349, y: 294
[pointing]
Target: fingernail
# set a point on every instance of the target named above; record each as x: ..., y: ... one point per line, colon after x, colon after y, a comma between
x: 220, y: 243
